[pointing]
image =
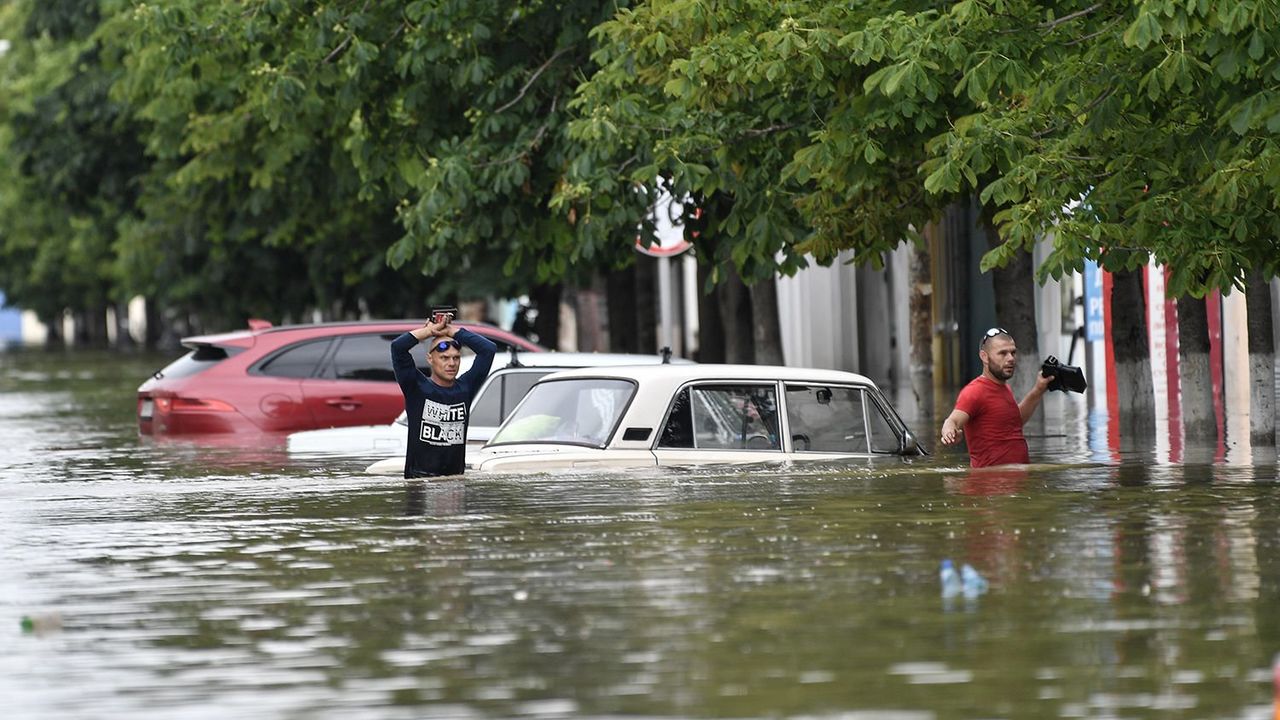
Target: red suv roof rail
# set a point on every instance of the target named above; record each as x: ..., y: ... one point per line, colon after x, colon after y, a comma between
x: 256, y: 324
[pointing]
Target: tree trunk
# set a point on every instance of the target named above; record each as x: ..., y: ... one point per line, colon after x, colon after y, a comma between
x: 1194, y: 375
x: 173, y: 328
x: 1262, y: 362
x: 124, y: 339
x: 546, y: 298
x: 621, y: 310
x: 711, y: 340
x: 1133, y: 360
x: 922, y: 329
x: 54, y: 337
x: 1014, y: 287
x: 646, y: 307
x: 154, y: 324
x: 91, y: 326
x: 588, y: 302
x: 735, y: 314
x: 766, y: 330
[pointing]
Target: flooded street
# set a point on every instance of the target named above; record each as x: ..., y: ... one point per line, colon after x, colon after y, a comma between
x: 146, y: 580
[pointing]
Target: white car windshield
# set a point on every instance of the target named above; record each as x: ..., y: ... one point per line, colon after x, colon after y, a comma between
x: 581, y: 411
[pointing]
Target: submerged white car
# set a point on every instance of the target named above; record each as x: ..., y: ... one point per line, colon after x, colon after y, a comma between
x: 497, y: 397
x: 692, y: 414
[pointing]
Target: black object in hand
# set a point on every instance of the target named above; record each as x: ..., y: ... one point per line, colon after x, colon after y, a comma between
x: 438, y: 313
x: 1065, y: 377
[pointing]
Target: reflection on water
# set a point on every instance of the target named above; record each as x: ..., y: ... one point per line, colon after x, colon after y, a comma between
x: 191, y: 581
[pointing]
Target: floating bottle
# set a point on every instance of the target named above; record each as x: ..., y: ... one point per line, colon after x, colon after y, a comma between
x: 951, y: 583
x: 971, y: 581
x: 41, y: 624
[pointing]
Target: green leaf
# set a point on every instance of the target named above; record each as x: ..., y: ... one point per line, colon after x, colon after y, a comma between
x: 1143, y: 31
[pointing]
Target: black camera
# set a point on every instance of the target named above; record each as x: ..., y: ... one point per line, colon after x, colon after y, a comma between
x: 438, y: 313
x: 1065, y: 377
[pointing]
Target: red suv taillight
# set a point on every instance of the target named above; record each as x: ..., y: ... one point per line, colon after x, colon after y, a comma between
x: 168, y: 414
x: 183, y: 404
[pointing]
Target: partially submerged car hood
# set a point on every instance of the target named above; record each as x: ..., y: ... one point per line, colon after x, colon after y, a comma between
x: 554, y: 456
x: 357, y: 439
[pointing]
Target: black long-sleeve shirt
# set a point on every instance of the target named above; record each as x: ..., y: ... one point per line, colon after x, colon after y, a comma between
x: 438, y: 416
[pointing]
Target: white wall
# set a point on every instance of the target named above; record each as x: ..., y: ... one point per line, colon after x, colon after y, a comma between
x: 833, y: 316
x: 816, y: 310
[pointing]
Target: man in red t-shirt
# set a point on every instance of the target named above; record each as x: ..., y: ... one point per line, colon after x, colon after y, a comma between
x: 986, y: 407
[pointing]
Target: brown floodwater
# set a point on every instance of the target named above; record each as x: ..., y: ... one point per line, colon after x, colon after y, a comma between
x: 179, y: 581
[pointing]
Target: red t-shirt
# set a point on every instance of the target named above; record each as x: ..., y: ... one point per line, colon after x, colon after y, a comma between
x: 994, y: 430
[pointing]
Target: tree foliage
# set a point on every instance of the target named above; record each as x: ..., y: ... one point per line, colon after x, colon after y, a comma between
x: 270, y: 157
x: 67, y: 160
x: 428, y: 131
x: 1126, y: 131
x: 322, y: 155
x: 255, y: 202
x: 680, y: 99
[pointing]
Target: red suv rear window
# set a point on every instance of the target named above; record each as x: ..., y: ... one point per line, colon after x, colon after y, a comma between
x: 198, y: 360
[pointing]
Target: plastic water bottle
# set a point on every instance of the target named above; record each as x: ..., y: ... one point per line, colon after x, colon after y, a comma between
x: 951, y: 583
x: 41, y: 624
x: 972, y: 583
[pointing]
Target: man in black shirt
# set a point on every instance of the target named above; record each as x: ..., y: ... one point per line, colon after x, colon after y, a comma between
x: 438, y: 406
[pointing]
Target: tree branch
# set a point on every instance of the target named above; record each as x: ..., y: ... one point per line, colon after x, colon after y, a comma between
x: 537, y: 138
x: 1087, y: 108
x: 398, y: 30
x: 347, y: 41
x: 536, y: 73
x: 1068, y: 18
x: 757, y: 132
x: 1090, y: 36
x: 338, y: 50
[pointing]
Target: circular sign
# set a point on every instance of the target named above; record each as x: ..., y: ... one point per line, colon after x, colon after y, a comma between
x: 658, y: 249
x: 668, y: 230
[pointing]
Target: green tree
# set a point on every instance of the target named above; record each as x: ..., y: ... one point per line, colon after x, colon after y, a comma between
x: 1125, y: 131
x: 678, y: 100
x: 69, y: 162
x: 252, y: 206
x: 342, y: 136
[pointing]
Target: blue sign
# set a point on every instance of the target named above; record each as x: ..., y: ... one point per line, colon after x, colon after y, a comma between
x: 1094, y: 327
x: 10, y: 323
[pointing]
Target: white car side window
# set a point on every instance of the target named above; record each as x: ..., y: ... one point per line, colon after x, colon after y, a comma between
x: 735, y: 417
x: 884, y: 439
x: 827, y: 419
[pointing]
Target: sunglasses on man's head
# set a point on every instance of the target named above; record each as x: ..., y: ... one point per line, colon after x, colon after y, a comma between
x: 445, y: 345
x: 992, y: 333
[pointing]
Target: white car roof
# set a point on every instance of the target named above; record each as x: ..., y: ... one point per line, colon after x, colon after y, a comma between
x: 579, y: 359
x: 675, y: 375
x: 657, y: 385
x: 558, y: 361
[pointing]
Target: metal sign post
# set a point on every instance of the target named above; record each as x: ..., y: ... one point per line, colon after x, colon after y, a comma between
x: 669, y: 242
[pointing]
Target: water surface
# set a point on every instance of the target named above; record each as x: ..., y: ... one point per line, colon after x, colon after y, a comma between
x: 166, y: 580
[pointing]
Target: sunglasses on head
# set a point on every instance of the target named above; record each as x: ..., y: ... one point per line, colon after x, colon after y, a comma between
x: 992, y: 333
x: 445, y: 345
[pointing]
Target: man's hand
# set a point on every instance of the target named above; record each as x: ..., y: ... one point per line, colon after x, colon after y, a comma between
x: 953, y: 427
x: 432, y: 329
x: 1028, y: 406
x: 441, y: 329
x: 1043, y: 382
x: 950, y: 433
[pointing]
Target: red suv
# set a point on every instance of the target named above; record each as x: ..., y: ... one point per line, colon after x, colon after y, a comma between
x: 282, y: 379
